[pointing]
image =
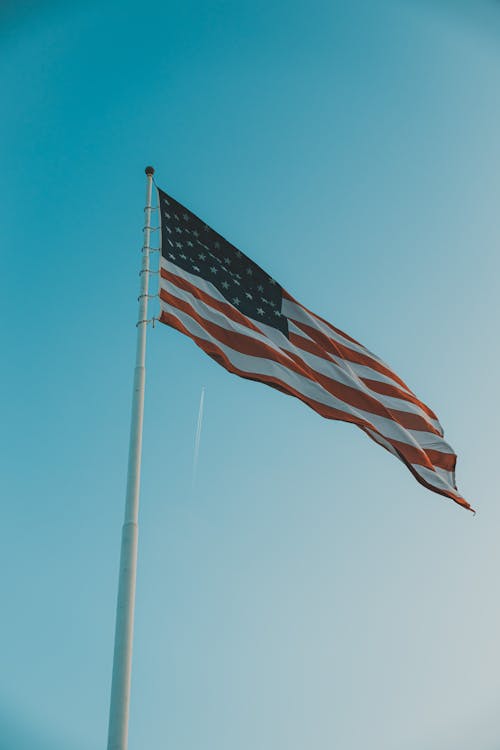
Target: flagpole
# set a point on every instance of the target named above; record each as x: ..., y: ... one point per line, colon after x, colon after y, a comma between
x: 124, y: 627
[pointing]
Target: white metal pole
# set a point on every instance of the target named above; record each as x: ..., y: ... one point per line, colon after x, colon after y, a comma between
x: 124, y: 628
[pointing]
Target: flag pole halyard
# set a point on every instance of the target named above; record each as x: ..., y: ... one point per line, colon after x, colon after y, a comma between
x: 124, y: 628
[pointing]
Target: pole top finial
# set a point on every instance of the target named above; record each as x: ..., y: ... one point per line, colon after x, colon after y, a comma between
x: 149, y: 170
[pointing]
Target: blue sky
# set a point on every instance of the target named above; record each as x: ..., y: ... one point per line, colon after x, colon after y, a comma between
x: 309, y: 593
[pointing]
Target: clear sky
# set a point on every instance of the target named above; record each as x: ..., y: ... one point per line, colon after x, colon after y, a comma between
x: 309, y: 593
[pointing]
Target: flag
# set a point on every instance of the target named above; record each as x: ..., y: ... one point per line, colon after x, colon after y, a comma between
x: 242, y: 318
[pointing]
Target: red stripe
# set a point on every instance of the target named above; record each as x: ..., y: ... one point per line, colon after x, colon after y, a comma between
x: 447, y: 461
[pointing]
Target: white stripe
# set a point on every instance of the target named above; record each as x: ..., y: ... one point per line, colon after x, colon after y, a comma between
x: 435, y: 479
x: 383, y: 442
x: 448, y: 476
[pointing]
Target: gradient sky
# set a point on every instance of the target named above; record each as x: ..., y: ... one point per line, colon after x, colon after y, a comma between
x: 308, y: 593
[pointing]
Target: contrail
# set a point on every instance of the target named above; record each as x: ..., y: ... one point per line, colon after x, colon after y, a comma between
x: 198, y: 437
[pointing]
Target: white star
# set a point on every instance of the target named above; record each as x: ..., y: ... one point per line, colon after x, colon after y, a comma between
x: 196, y: 234
x: 178, y: 230
x: 190, y: 243
x: 249, y: 272
x: 217, y: 244
x: 201, y: 256
x: 235, y: 281
x: 265, y: 300
x: 185, y: 217
x: 260, y: 311
x: 195, y: 268
x: 247, y: 294
x: 167, y: 215
x: 213, y: 269
x: 176, y: 217
x: 171, y: 255
x: 238, y: 254
x: 179, y: 244
x: 277, y: 313
x: 168, y: 230
x: 184, y: 257
x: 260, y: 288
x: 272, y: 281
x: 238, y: 276
x: 227, y: 261
x: 225, y: 285
x: 271, y: 303
x: 236, y: 300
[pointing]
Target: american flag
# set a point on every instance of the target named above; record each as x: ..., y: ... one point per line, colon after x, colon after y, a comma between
x: 242, y: 318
